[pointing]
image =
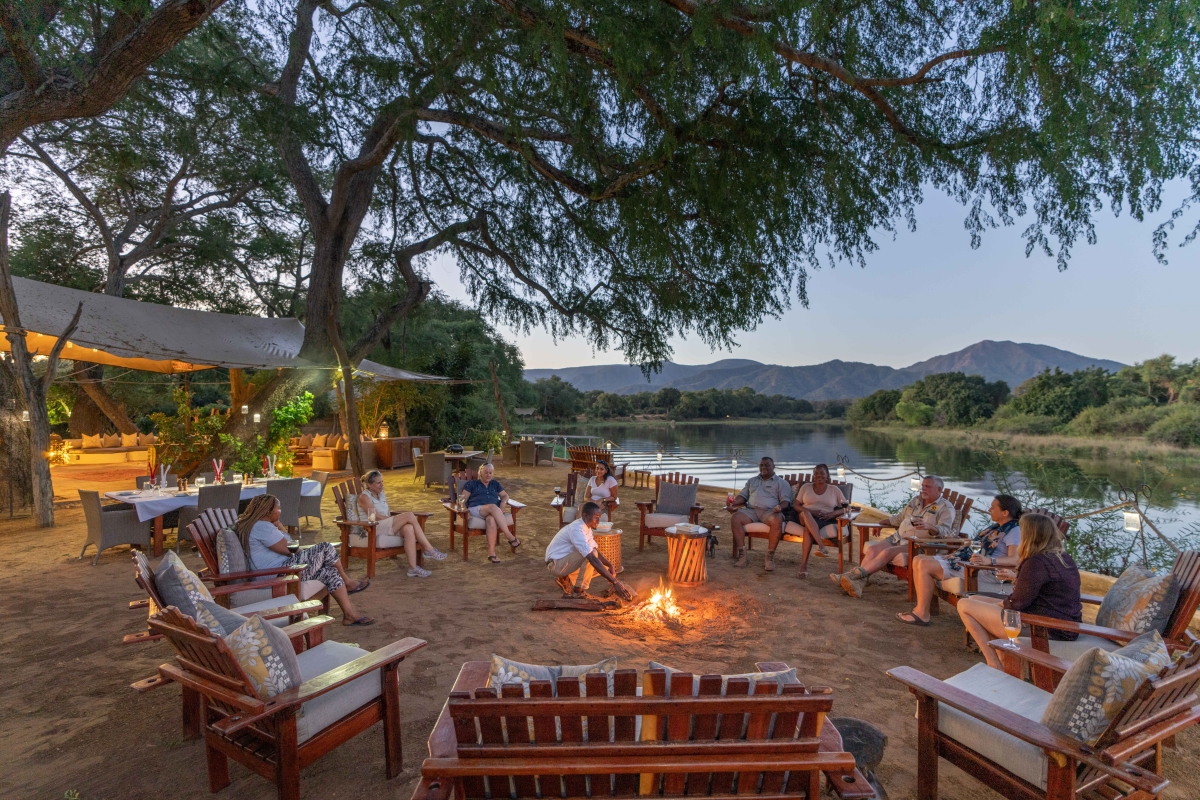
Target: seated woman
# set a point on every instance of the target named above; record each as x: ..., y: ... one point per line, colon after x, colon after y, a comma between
x: 392, y: 531
x: 819, y: 504
x: 485, y: 499
x: 1047, y: 583
x: 998, y: 546
x: 265, y: 543
x: 602, y: 488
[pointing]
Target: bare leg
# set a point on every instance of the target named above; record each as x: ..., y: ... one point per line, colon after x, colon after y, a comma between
x: 491, y: 534
x: 926, y: 573
x: 345, y: 579
x: 810, y: 536
x: 879, y: 555
x: 343, y: 600
x: 738, y: 523
x: 981, y: 616
x: 410, y: 544
x: 493, y: 512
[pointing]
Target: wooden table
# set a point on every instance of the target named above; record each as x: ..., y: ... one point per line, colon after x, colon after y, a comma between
x: 686, y: 564
x: 461, y: 458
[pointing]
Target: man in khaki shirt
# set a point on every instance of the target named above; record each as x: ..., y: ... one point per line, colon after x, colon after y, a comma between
x: 763, y: 498
x: 927, y: 516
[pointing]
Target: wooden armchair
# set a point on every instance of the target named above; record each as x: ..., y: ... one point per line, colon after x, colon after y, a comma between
x: 247, y: 599
x: 584, y: 458
x: 368, y: 544
x: 565, y: 502
x: 462, y: 523
x: 345, y: 691
x: 678, y: 750
x: 655, y: 522
x: 794, y: 532
x: 957, y: 723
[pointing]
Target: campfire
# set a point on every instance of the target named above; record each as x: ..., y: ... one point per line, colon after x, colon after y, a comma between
x: 661, y: 607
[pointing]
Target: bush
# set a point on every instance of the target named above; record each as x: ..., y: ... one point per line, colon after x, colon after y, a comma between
x: 875, y: 407
x: 1180, y: 427
x: 1118, y: 418
x: 913, y: 413
x: 1009, y: 420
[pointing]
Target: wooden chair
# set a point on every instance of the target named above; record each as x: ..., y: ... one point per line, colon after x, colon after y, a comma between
x: 278, y: 606
x: 1126, y: 762
x: 654, y: 523
x: 462, y: 523
x: 584, y: 458
x: 779, y: 744
x: 376, y: 547
x: 565, y: 502
x: 204, y: 532
x: 794, y: 532
x: 277, y: 738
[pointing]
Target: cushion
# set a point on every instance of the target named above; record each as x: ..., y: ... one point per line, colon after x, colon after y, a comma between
x: 674, y: 498
x: 335, y: 441
x: 264, y: 602
x: 757, y: 527
x: 179, y: 586
x: 829, y: 533
x: 1097, y: 685
x: 1021, y: 758
x: 359, y: 539
x: 319, y: 713
x: 1140, y: 601
x: 320, y: 439
x: 129, y: 440
x: 308, y: 589
x: 607, y: 666
x: 147, y: 439
x: 306, y: 440
x: 91, y: 442
x: 504, y: 671
x: 781, y: 678
x: 1071, y: 651
x: 230, y: 555
x: 479, y: 524
x: 111, y: 440
x: 266, y: 656
x: 220, y: 621
x: 901, y: 560
x: 664, y: 520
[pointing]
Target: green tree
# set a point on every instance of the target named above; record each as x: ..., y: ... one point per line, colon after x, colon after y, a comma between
x: 1062, y: 395
x: 875, y: 407
x: 558, y: 399
x: 667, y: 398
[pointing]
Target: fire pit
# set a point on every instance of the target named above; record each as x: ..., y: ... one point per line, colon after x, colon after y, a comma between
x: 661, y: 607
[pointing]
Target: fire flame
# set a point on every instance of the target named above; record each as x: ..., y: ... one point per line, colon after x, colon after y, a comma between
x: 661, y: 604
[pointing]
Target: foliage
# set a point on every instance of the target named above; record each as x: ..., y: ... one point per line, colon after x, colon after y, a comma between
x: 557, y: 399
x: 1008, y: 420
x: 1062, y: 395
x: 186, y: 436
x: 950, y: 398
x: 875, y: 407
x: 1124, y: 416
x: 285, y: 423
x: 1180, y: 427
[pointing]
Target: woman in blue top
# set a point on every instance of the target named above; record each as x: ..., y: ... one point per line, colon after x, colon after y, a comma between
x: 486, y: 500
x: 999, y: 544
x: 265, y: 543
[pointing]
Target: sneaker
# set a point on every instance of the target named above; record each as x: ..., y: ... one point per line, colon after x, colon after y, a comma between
x: 565, y: 585
x: 769, y: 562
x: 853, y: 586
x: 836, y: 577
x: 741, y: 559
x: 418, y: 572
x: 435, y: 554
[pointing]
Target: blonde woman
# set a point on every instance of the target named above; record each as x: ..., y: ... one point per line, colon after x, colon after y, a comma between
x: 404, y: 525
x: 1047, y: 584
x: 265, y: 543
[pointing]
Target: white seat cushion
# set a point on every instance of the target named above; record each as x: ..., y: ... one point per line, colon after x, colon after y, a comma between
x: 1070, y: 651
x: 1018, y: 757
x: 382, y: 540
x: 310, y: 588
x: 757, y: 527
x: 568, y: 514
x: 317, y: 715
x: 243, y: 599
x: 266, y: 605
x: 958, y: 586
x: 664, y: 520
x: 829, y: 533
x: 479, y: 523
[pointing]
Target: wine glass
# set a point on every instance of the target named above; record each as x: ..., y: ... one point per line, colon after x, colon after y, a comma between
x: 199, y: 482
x: 371, y: 517
x: 976, y: 547
x: 1011, y: 620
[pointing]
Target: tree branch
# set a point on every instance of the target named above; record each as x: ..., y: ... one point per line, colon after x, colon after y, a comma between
x: 27, y: 63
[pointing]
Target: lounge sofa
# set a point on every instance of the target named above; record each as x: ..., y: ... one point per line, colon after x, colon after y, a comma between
x: 110, y: 448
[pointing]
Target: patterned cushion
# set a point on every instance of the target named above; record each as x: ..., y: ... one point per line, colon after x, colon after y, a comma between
x: 505, y: 671
x: 91, y: 442
x: 220, y: 621
x: 1140, y: 601
x: 179, y: 586
x: 674, y: 498
x: 608, y: 666
x: 1098, y: 684
x: 781, y: 678
x: 230, y: 555
x: 266, y: 656
x: 129, y: 440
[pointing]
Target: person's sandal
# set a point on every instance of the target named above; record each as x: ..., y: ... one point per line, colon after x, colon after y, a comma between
x: 913, y: 619
x: 361, y: 621
x: 514, y: 543
x: 494, y: 559
x: 362, y: 587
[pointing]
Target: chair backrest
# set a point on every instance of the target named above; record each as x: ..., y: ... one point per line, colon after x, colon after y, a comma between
x: 204, y: 533
x: 723, y: 726
x: 205, y: 656
x: 287, y: 492
x: 1187, y: 574
x: 572, y: 488
x: 1062, y: 524
x: 672, y: 477
x: 528, y: 452
x: 144, y: 576
x: 321, y: 477
x: 226, y: 495
x: 435, y: 468
x: 346, y: 491
x: 91, y: 509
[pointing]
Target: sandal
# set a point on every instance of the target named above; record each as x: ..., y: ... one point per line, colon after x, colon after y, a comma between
x: 361, y: 621
x: 913, y: 619
x: 494, y: 559
x: 362, y: 586
x: 514, y: 543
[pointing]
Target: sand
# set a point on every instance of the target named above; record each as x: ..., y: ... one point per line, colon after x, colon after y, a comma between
x: 69, y: 722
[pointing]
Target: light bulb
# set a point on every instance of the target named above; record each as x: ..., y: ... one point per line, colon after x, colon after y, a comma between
x: 245, y: 410
x: 257, y: 418
x: 735, y: 463
x: 24, y: 416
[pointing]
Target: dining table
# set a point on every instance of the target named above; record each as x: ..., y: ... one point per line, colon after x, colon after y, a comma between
x: 460, y: 458
x: 151, y: 504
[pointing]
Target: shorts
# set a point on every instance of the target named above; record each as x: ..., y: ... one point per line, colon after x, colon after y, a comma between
x: 755, y: 514
x: 474, y: 512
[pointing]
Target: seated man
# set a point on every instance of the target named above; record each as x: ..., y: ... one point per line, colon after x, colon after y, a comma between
x: 763, y: 498
x: 573, y: 559
x: 927, y: 516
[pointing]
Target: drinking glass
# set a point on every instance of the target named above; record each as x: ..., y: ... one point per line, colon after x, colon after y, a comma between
x: 976, y: 547
x: 237, y: 477
x: 371, y: 516
x: 1011, y: 620
x: 199, y: 482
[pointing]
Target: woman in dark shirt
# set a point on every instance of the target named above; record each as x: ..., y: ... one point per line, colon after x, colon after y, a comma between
x: 1047, y: 584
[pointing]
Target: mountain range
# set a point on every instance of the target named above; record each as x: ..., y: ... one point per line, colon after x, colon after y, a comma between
x: 1011, y: 362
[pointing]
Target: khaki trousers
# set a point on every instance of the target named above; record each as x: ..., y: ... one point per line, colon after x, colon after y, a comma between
x: 576, y: 567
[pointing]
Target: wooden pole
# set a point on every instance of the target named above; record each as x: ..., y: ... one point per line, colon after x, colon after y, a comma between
x: 500, y: 400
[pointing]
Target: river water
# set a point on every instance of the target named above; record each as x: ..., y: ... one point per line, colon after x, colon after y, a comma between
x: 1068, y: 485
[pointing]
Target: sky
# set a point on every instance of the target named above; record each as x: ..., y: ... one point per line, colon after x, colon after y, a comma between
x: 1115, y: 300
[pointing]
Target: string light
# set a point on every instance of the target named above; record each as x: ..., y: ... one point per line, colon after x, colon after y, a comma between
x: 257, y: 418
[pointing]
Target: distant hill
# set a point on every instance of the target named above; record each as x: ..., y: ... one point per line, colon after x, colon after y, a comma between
x: 1007, y: 361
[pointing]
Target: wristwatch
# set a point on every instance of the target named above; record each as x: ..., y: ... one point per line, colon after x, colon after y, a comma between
x: 993, y: 561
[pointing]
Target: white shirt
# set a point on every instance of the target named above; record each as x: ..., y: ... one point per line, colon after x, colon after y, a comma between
x: 380, y: 503
x: 824, y: 505
x: 602, y: 492
x: 573, y: 538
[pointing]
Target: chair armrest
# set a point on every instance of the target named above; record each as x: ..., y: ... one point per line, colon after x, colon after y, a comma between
x: 228, y: 577
x: 295, y: 609
x: 515, y: 503
x: 1024, y: 729
x: 645, y: 506
x: 234, y: 588
x: 1027, y: 654
x: 1091, y: 599
x: 309, y: 631
x: 1112, y: 634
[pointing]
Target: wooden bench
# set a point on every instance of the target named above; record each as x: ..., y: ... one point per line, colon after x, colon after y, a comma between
x: 765, y: 745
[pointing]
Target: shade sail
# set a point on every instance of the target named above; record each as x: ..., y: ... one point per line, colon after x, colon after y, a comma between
x: 382, y: 372
x: 150, y: 336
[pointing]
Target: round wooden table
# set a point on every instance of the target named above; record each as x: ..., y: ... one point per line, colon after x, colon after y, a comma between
x: 686, y: 550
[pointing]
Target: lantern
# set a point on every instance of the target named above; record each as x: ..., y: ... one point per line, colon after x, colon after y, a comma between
x: 24, y: 416
x: 915, y: 483
x: 257, y: 418
x: 245, y: 410
x: 1133, y: 521
x: 842, y: 473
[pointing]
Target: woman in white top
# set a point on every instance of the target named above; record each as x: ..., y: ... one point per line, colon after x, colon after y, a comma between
x: 602, y: 488
x: 403, y: 525
x: 819, y: 504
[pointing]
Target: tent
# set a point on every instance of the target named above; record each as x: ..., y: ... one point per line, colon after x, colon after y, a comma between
x: 382, y: 372
x: 150, y: 336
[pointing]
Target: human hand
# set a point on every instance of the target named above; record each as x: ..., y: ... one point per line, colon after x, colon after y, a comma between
x: 1006, y: 574
x: 624, y: 591
x: 979, y: 559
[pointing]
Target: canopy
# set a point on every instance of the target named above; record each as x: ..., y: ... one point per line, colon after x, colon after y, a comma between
x: 150, y: 336
x: 382, y: 372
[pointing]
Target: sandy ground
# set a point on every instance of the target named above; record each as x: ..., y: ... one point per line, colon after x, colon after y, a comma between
x: 69, y: 722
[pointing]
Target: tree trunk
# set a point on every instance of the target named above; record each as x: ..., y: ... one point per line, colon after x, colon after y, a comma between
x: 351, y: 427
x: 92, y: 382
x: 86, y: 417
x: 16, y: 488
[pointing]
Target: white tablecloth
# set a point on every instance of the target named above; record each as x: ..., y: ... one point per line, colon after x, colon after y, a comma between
x: 150, y: 505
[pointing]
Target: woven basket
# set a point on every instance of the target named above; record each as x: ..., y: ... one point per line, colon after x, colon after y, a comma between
x: 609, y: 545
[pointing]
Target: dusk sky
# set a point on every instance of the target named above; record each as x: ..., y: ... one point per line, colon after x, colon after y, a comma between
x: 1115, y: 301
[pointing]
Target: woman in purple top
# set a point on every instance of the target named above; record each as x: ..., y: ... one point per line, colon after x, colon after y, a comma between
x: 1047, y: 584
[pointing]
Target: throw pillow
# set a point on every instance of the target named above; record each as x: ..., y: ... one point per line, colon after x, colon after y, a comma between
x: 505, y: 671
x: 221, y: 621
x: 266, y: 656
x: 179, y: 586
x: 129, y: 440
x: 230, y: 555
x: 607, y: 666
x: 674, y: 498
x: 1098, y: 684
x: 320, y: 439
x: 781, y: 678
x: 306, y: 440
x: 91, y: 442
x: 147, y: 439
x: 336, y: 441
x: 111, y: 440
x: 1140, y: 601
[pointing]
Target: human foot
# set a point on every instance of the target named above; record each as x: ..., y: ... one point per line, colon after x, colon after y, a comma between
x: 435, y: 554
x: 418, y: 572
